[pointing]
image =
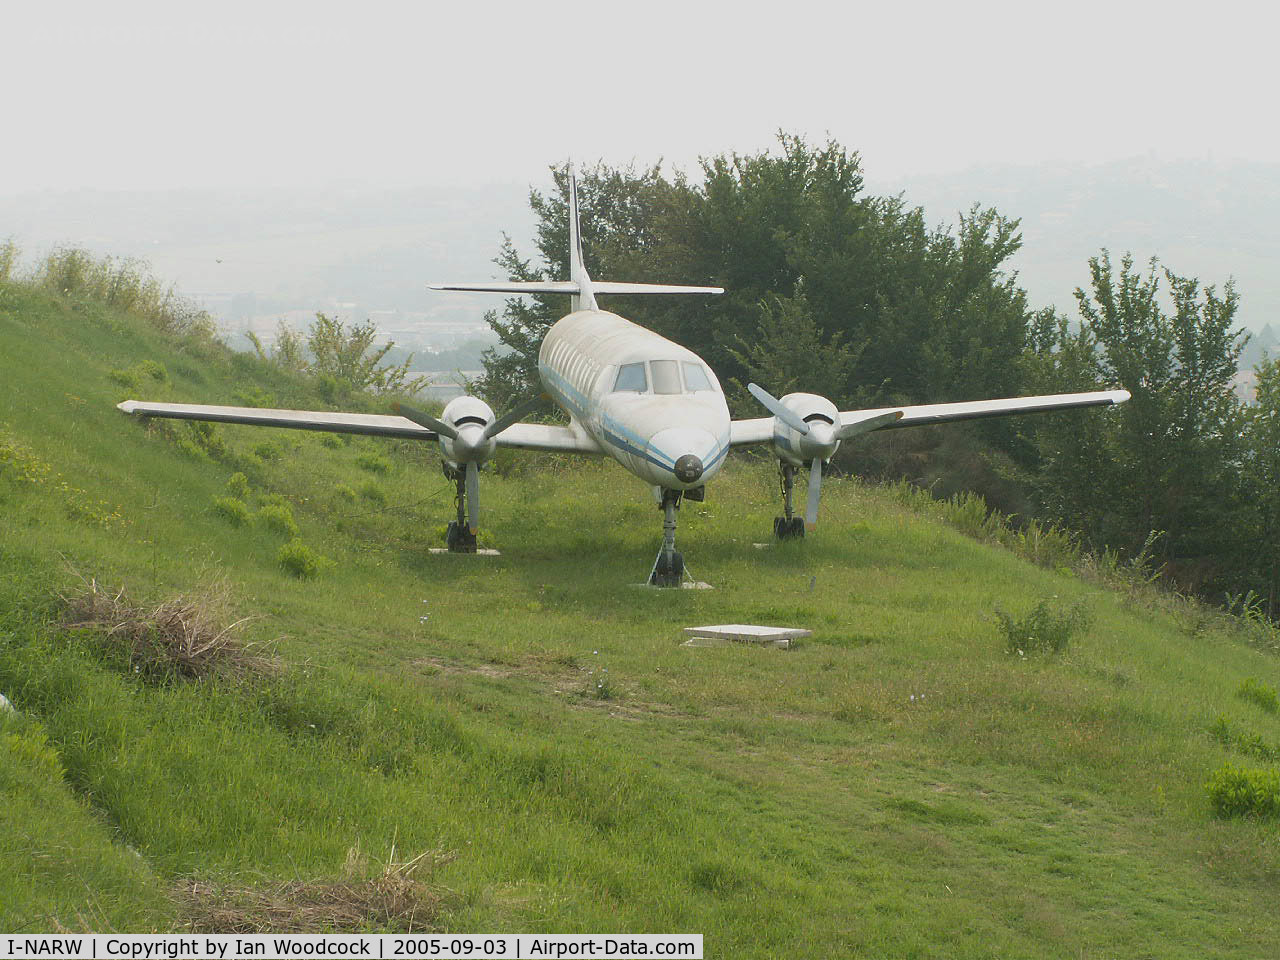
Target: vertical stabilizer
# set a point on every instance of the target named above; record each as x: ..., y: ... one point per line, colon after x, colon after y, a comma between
x: 585, y: 299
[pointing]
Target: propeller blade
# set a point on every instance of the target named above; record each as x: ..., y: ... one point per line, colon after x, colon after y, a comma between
x: 815, y: 491
x: 511, y: 416
x: 425, y: 420
x: 774, y: 406
x: 473, y: 497
x: 867, y: 425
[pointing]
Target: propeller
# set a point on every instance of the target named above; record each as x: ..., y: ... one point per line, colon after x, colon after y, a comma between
x: 819, y: 438
x: 511, y: 416
x: 471, y: 445
x: 774, y: 406
x: 425, y: 420
x: 815, y: 491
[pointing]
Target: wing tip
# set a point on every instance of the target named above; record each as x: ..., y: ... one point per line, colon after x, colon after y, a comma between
x: 128, y: 406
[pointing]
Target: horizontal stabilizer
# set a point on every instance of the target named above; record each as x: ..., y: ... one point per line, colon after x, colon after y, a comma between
x: 568, y: 287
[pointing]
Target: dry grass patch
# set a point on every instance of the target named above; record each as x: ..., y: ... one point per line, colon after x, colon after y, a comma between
x: 184, y: 637
x: 396, y: 901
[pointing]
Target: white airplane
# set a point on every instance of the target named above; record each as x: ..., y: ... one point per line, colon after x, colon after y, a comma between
x: 630, y: 394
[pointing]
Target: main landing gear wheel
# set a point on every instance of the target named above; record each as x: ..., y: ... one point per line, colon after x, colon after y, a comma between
x: 789, y: 526
x: 459, y: 537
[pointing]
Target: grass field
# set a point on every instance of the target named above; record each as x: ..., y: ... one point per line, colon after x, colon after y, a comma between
x: 900, y: 785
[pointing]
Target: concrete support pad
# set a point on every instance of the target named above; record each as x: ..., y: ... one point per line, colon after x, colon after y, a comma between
x: 687, y: 585
x: 458, y: 553
x: 743, y: 633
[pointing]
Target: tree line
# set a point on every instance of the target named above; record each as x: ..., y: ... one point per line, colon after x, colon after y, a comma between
x: 835, y: 291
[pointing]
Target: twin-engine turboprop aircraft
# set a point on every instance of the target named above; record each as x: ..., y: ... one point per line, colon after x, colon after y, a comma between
x: 650, y: 404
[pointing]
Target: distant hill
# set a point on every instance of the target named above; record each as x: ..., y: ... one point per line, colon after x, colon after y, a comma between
x: 359, y: 250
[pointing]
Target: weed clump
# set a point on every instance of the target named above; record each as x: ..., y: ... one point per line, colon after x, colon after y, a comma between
x: 1250, y: 744
x: 1244, y: 792
x: 180, y: 638
x: 370, y: 491
x: 397, y: 901
x: 1047, y: 628
x: 1259, y: 694
x: 300, y: 560
x: 231, y: 509
x: 278, y: 518
x: 373, y: 463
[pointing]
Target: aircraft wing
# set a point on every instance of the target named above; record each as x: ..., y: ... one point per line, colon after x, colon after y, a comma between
x: 978, y: 409
x: 372, y: 423
x: 755, y: 430
x: 547, y: 437
x: 760, y: 429
x: 528, y: 436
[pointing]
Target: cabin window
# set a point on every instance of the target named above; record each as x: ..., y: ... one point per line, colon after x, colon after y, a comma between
x: 631, y: 378
x: 695, y: 378
x: 666, y: 376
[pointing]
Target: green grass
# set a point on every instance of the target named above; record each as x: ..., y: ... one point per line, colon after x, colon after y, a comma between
x: 896, y: 786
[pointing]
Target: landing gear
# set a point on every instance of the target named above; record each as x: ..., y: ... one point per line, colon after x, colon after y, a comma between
x: 459, y: 537
x: 668, y: 569
x: 789, y: 526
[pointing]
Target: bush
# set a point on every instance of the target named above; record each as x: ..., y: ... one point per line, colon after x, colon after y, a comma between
x: 1260, y: 694
x: 1244, y: 792
x: 334, y: 440
x: 238, y: 486
x: 300, y: 560
x: 373, y: 463
x: 124, y: 378
x: 234, y: 511
x: 268, y: 450
x: 278, y: 519
x: 344, y: 492
x: 1047, y: 628
x: 152, y: 370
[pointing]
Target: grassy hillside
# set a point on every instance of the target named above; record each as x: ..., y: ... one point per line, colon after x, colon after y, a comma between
x: 900, y: 785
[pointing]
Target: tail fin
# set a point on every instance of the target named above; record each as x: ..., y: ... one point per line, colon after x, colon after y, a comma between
x: 585, y: 298
x: 581, y: 288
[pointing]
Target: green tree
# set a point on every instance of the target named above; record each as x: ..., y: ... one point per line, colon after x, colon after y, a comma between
x: 1168, y: 460
x: 1261, y: 519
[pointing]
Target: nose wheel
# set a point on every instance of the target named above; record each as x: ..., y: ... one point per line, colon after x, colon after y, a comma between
x: 668, y: 569
x: 789, y: 526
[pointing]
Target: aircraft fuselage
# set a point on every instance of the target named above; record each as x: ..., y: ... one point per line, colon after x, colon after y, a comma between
x: 652, y: 405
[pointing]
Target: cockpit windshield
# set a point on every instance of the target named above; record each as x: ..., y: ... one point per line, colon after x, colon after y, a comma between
x: 631, y: 378
x: 695, y: 378
x: 666, y: 376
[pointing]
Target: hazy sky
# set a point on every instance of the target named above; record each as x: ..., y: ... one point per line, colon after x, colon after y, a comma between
x: 161, y: 95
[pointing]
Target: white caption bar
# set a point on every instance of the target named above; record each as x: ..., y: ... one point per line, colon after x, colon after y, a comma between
x: 461, y: 946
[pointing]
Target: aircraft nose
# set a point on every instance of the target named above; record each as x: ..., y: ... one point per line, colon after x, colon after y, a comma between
x: 684, y: 456
x: 688, y: 468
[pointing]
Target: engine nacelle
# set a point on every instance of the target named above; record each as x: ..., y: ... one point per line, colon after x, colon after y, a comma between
x: 823, y: 419
x: 469, y: 416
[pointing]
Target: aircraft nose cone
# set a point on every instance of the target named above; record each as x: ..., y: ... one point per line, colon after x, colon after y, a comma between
x: 688, y: 468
